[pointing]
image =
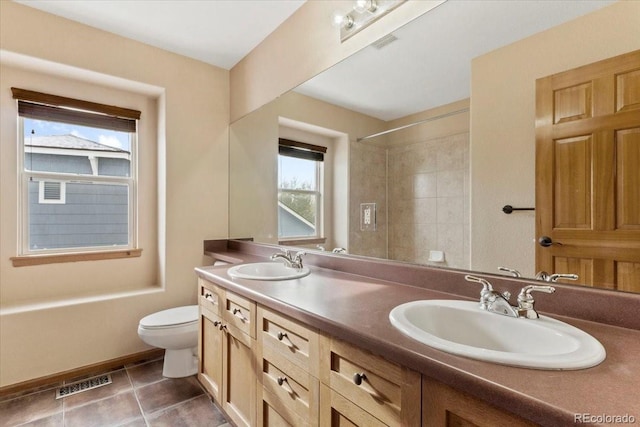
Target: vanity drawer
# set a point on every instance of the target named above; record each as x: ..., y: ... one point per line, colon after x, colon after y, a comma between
x: 291, y: 385
x: 389, y: 392
x: 240, y: 312
x: 273, y: 413
x: 294, y: 341
x: 338, y: 411
x: 211, y: 297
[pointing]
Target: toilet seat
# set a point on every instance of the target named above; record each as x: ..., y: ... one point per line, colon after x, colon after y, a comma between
x: 171, y: 318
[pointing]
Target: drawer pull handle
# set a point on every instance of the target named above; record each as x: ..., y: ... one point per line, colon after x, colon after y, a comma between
x: 238, y: 313
x: 218, y: 324
x: 358, y: 378
x: 282, y: 382
x: 281, y: 336
x: 209, y: 297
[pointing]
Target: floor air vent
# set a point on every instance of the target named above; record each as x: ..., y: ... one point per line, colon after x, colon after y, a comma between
x: 84, y: 385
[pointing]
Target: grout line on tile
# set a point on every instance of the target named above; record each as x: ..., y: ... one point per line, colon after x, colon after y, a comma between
x: 135, y: 394
x: 175, y: 405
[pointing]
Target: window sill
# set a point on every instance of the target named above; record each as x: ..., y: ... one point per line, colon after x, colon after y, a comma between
x: 27, y: 260
x: 310, y: 241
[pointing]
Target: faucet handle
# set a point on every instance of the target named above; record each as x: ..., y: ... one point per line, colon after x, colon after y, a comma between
x: 526, y: 301
x: 486, y: 294
x: 554, y: 277
x: 514, y: 273
x: 486, y: 286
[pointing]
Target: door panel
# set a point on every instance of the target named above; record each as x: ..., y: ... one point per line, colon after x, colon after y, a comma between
x: 588, y: 172
x: 628, y: 178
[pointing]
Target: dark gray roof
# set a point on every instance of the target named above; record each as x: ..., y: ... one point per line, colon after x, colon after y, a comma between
x: 69, y: 142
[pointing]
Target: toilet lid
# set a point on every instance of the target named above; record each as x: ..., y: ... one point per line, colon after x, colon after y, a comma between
x: 171, y: 317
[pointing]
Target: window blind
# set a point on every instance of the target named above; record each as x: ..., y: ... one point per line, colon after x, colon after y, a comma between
x: 301, y: 150
x: 43, y: 106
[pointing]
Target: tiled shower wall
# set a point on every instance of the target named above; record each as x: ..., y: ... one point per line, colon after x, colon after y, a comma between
x: 368, y: 180
x: 428, y: 190
x: 426, y: 186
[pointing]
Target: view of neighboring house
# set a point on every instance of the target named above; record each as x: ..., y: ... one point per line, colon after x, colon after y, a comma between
x: 65, y: 212
x: 292, y: 224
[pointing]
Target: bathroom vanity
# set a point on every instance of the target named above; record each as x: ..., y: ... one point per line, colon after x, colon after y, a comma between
x: 320, y: 350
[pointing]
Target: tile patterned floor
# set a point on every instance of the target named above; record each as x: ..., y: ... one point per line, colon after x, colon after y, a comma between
x: 139, y: 396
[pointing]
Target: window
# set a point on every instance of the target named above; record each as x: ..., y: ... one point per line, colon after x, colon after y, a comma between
x: 300, y: 190
x: 77, y: 175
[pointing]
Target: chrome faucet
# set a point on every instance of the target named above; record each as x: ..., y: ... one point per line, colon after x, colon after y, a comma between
x: 496, y: 302
x: 525, y: 300
x: 514, y: 273
x: 290, y: 260
x: 542, y: 275
x: 552, y: 278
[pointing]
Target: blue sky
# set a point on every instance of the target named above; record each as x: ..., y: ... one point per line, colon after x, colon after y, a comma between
x: 303, y: 170
x: 102, y: 136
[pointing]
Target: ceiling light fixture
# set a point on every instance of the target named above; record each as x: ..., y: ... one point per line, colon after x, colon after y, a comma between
x: 363, y: 14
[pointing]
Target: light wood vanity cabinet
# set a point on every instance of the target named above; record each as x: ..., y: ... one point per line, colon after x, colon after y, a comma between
x: 226, y: 347
x: 266, y: 369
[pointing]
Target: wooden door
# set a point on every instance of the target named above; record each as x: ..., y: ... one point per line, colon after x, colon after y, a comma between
x: 588, y: 172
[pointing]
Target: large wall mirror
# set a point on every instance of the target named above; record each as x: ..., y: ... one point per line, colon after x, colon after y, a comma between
x: 405, y: 176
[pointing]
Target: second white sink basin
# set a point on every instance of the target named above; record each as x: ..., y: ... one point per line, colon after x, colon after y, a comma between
x: 267, y: 271
x: 462, y: 328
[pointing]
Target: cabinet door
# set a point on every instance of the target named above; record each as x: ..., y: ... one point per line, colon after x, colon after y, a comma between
x: 443, y: 406
x: 210, y: 346
x: 239, y: 386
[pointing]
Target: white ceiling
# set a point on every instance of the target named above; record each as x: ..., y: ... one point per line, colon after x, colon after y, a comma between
x: 430, y: 63
x: 218, y: 32
x: 428, y: 66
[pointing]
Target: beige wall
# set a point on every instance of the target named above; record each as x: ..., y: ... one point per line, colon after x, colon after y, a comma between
x: 303, y: 46
x: 63, y: 316
x: 253, y: 145
x: 503, y: 120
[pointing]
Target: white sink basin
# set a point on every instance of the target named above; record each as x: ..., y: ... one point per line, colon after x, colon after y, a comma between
x: 267, y: 271
x: 462, y: 328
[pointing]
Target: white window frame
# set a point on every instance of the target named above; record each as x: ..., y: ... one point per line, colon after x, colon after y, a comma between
x: 23, y: 198
x: 318, y: 193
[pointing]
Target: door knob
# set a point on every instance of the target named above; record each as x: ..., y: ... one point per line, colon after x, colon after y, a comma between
x: 545, y: 241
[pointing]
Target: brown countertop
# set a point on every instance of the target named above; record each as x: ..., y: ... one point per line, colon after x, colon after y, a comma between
x: 356, y: 308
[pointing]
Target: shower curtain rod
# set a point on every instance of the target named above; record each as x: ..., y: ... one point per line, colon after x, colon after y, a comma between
x: 430, y: 119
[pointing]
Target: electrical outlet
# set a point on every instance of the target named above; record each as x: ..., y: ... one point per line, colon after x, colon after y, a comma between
x: 367, y: 217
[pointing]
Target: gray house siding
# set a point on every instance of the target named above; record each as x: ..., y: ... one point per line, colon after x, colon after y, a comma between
x: 92, y: 215
x: 113, y: 167
x: 290, y: 226
x: 57, y: 163
x: 75, y: 164
x: 81, y: 213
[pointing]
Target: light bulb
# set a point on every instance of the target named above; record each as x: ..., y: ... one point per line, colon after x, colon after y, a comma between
x: 340, y: 19
x: 365, y: 6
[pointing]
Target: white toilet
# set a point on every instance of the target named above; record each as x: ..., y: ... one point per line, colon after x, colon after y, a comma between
x: 175, y: 330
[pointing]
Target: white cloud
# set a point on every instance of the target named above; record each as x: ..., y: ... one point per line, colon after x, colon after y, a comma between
x: 78, y: 134
x: 111, y: 141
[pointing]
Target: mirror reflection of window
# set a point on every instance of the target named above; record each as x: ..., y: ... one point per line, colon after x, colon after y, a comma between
x: 299, y: 190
